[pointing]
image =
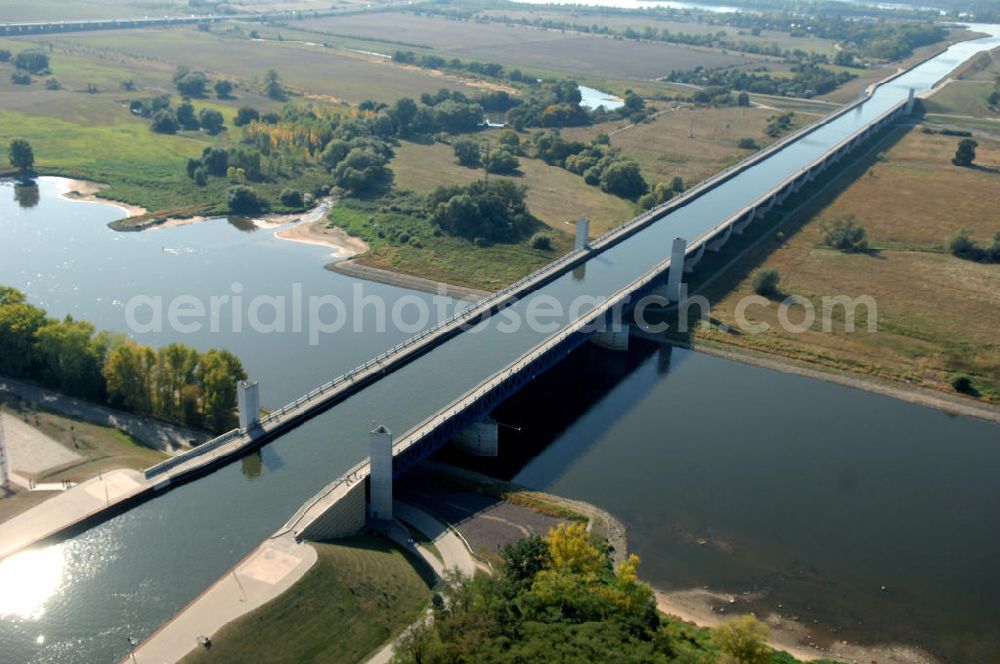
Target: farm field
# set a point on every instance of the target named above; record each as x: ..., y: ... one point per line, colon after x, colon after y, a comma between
x: 664, y: 148
x: 937, y: 314
x: 618, y: 20
x: 330, y: 74
x: 577, y: 54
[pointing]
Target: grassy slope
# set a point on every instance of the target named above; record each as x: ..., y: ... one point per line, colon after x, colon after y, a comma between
x: 101, y: 448
x: 937, y: 314
x: 360, y: 593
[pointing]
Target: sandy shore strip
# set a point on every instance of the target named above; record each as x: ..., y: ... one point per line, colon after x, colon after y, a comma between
x: 85, y: 190
x: 702, y: 607
x: 378, y: 275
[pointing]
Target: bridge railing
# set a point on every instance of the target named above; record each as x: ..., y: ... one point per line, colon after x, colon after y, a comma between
x: 417, y: 433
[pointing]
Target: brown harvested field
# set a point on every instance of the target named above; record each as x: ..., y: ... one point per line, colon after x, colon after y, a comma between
x: 573, y: 53
x: 664, y: 148
x: 937, y: 314
x: 619, y: 22
x: 556, y: 196
x: 311, y: 69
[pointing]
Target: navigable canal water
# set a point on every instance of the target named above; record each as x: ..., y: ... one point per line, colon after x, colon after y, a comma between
x: 808, y: 495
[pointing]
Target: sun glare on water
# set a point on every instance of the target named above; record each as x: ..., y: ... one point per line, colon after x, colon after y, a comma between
x: 28, y: 579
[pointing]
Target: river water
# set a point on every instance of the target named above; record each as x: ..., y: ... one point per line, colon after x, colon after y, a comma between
x: 697, y: 445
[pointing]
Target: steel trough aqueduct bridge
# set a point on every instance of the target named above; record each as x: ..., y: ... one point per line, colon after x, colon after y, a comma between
x: 129, y: 573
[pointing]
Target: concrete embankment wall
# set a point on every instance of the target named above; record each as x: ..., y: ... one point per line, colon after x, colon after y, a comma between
x: 345, y: 517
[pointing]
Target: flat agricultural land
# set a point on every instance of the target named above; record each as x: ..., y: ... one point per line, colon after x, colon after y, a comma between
x: 665, y: 148
x: 556, y: 196
x: 619, y: 21
x: 551, y: 50
x: 937, y: 314
x: 309, y: 69
x: 361, y: 592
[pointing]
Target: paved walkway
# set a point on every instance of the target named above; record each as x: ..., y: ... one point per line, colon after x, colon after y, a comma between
x: 263, y: 575
x: 157, y: 434
x: 275, y: 566
x: 30, y: 450
x: 69, y: 507
x: 453, y: 550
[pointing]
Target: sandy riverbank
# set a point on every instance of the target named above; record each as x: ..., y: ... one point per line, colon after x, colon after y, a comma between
x: 318, y: 233
x: 85, y: 190
x: 708, y: 609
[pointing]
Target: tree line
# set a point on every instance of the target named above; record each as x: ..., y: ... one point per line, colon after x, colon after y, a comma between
x: 175, y: 382
x: 807, y: 80
x: 561, y: 599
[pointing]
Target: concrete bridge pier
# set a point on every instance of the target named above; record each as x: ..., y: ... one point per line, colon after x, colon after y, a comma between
x: 614, y: 337
x: 691, y: 261
x: 740, y: 224
x: 380, y: 479
x: 248, y: 403
x: 480, y: 438
x: 582, y: 234
x: 720, y: 240
x: 910, y: 102
x: 675, y: 275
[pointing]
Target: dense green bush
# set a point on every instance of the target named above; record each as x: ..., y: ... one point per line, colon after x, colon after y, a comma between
x: 765, y: 282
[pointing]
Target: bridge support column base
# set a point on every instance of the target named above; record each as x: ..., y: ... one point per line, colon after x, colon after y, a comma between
x: 480, y: 438
x: 614, y: 338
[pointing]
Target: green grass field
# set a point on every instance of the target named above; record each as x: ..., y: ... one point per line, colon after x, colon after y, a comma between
x: 361, y: 592
x: 556, y: 196
x: 449, y: 259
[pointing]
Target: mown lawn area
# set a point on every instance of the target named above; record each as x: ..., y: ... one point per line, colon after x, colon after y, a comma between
x: 361, y: 592
x: 937, y: 314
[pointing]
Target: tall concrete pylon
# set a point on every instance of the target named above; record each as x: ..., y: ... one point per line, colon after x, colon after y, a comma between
x: 380, y: 478
x: 248, y: 403
x: 910, y: 101
x: 582, y: 234
x: 676, y: 271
